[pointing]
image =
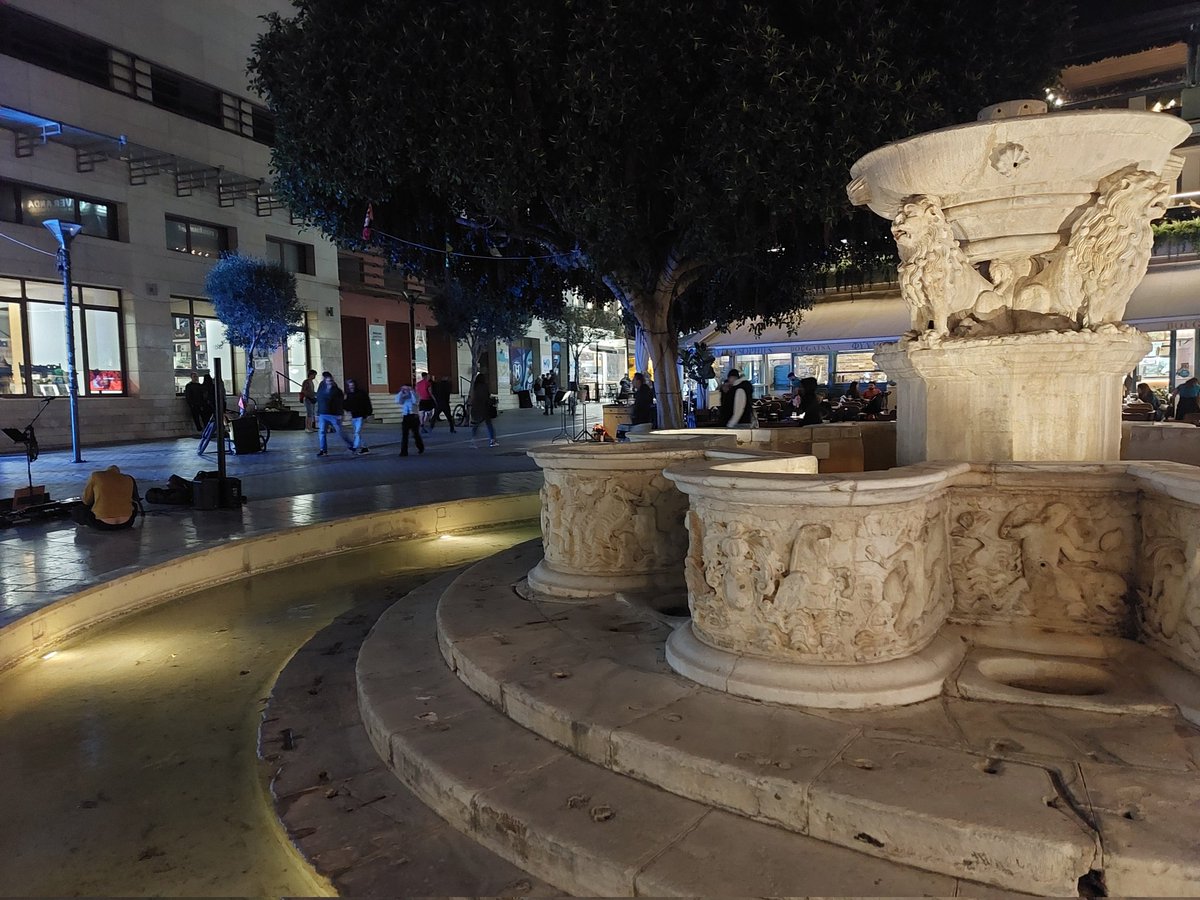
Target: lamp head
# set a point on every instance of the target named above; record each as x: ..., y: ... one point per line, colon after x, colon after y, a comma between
x: 64, y: 232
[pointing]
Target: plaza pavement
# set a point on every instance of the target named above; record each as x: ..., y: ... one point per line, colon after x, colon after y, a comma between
x: 286, y: 486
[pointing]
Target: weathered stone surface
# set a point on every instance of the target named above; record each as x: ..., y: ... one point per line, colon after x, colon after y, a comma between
x: 723, y: 855
x: 753, y: 759
x: 1150, y: 825
x: 952, y: 811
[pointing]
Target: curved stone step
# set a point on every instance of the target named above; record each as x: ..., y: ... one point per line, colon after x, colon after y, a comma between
x: 351, y: 819
x: 579, y: 826
x: 943, y: 785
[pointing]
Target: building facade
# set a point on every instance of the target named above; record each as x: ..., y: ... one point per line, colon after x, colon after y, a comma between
x: 137, y: 123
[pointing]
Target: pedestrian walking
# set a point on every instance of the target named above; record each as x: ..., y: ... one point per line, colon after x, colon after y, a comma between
x: 482, y: 411
x: 358, y: 403
x: 407, y: 400
x: 425, y: 404
x: 441, y: 400
x: 330, y: 406
x: 308, y: 396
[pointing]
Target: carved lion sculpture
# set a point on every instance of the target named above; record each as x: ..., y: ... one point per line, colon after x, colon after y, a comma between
x: 1106, y: 254
x: 937, y: 280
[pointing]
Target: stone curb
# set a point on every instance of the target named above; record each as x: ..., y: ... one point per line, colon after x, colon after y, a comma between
x: 344, y: 812
x: 39, y: 631
x: 579, y: 826
x: 1020, y: 823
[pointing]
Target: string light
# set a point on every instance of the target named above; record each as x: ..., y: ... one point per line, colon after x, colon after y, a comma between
x: 26, y: 246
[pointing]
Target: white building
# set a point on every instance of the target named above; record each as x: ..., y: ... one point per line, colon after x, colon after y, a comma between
x: 135, y: 120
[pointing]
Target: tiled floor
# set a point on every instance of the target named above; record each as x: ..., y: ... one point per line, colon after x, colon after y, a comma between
x: 286, y: 486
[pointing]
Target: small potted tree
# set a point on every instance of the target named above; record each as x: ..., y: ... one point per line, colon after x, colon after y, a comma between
x: 256, y: 302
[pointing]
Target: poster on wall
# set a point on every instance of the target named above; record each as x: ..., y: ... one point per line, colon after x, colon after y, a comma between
x: 421, y: 360
x: 556, y: 362
x: 378, y: 339
x: 1185, y: 358
x: 520, y: 359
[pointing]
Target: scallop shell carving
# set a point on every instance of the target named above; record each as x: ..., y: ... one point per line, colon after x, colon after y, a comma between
x: 1007, y: 158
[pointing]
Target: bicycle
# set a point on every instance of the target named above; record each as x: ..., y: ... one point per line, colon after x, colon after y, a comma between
x: 461, y: 418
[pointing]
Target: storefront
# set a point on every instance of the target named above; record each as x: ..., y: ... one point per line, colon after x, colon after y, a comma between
x: 33, y: 359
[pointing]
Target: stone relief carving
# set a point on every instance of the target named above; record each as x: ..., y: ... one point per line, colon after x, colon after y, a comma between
x: 1065, y: 564
x: 618, y: 522
x: 1169, y: 582
x: 1084, y: 284
x: 842, y: 587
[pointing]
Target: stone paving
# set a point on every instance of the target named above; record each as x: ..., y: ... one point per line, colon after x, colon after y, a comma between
x: 286, y: 486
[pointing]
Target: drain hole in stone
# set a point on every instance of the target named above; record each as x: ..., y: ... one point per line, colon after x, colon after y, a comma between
x: 867, y: 839
x: 1092, y: 885
x: 678, y: 612
x: 990, y: 767
x: 1129, y: 813
x: 1047, y: 676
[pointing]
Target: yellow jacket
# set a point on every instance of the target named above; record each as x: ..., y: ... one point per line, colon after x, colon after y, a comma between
x: 109, y: 493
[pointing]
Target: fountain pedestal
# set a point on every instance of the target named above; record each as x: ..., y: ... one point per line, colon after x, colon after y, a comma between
x: 1012, y: 397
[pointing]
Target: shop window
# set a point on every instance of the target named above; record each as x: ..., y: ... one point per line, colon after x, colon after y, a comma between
x: 12, y: 358
x: 857, y: 367
x: 293, y: 256
x: 296, y: 358
x: 199, y: 340
x: 196, y: 238
x: 812, y: 365
x: 33, y: 358
x: 1155, y: 367
x: 27, y: 205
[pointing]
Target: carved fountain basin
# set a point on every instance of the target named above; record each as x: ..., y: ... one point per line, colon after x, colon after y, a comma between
x: 1005, y: 185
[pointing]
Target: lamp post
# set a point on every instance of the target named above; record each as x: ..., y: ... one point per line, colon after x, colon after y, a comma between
x: 65, y: 232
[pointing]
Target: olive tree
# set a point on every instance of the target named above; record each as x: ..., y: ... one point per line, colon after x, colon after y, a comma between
x: 692, y: 154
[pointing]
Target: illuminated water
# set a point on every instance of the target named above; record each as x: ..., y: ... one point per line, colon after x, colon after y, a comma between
x: 127, y: 760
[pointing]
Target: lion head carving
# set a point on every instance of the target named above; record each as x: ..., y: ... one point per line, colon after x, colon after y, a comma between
x: 930, y: 263
x: 1110, y: 244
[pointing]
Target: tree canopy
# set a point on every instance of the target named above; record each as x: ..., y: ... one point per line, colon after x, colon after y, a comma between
x: 692, y: 154
x: 256, y: 302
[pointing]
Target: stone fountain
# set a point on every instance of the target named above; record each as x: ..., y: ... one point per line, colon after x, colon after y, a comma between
x: 844, y: 628
x: 1021, y: 239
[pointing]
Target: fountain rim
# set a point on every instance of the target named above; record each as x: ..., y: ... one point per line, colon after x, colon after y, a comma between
x: 1169, y: 121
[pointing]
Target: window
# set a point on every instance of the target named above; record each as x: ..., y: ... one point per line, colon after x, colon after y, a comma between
x: 51, y: 46
x: 28, y: 205
x: 197, y: 238
x: 293, y: 256
x: 33, y: 358
x: 199, y: 339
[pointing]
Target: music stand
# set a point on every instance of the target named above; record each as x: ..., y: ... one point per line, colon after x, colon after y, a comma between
x: 584, y: 434
x: 563, y: 398
x: 29, y: 438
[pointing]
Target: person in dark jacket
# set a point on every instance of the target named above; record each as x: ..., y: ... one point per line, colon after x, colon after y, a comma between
x: 643, y: 412
x: 357, y: 402
x: 441, y: 401
x: 193, y: 396
x: 329, y: 412
x: 737, y: 407
x: 481, y: 410
x: 807, y: 403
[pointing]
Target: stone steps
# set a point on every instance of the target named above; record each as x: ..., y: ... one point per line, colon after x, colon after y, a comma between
x: 1035, y: 814
x: 582, y: 827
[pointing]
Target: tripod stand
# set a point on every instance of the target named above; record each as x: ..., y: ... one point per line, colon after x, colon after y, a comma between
x: 29, y: 438
x: 565, y: 402
x: 584, y: 434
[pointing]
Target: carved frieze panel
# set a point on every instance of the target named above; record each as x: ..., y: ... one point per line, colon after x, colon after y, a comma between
x: 819, y: 584
x: 1168, y: 594
x: 612, y: 521
x: 1064, y: 562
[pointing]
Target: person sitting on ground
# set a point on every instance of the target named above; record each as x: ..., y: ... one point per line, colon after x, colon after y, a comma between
x: 109, y: 501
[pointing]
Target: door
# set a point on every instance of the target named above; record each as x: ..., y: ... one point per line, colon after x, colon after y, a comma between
x: 399, y: 356
x: 356, y: 356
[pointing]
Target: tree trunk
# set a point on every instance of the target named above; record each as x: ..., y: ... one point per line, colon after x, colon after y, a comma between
x: 244, y: 403
x: 652, y: 314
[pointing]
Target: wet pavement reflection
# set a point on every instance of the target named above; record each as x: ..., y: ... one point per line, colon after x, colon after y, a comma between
x: 129, y: 754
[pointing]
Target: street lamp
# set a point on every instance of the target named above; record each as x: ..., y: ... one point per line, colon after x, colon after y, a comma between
x: 64, y: 233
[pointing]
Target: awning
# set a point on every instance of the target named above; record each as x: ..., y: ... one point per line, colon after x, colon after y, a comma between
x: 1168, y: 298
x: 830, y: 326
